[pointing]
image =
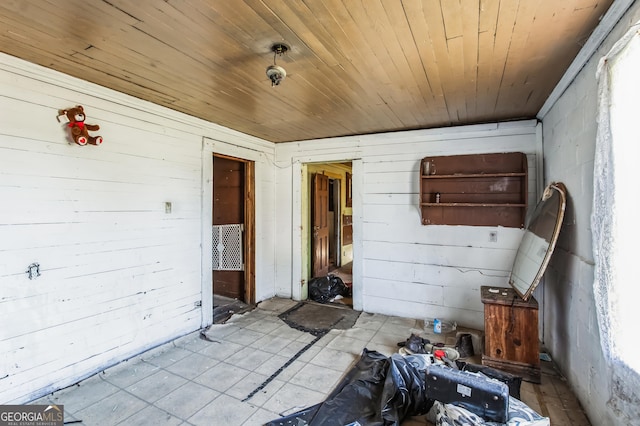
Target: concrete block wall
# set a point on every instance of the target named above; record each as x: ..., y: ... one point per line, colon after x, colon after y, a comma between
x: 571, y: 330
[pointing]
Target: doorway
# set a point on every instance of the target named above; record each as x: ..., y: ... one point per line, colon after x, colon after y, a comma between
x: 330, y: 213
x: 232, y: 235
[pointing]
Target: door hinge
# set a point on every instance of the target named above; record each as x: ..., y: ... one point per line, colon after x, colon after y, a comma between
x: 197, y: 304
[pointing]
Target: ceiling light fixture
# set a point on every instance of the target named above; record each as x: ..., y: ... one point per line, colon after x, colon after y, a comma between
x: 275, y: 72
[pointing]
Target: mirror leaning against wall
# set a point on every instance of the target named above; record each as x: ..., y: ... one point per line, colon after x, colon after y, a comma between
x: 539, y: 240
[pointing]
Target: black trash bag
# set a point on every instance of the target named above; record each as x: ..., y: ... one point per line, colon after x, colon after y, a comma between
x: 356, y: 397
x: 325, y: 289
x: 377, y: 391
x: 511, y: 380
x: 404, y: 393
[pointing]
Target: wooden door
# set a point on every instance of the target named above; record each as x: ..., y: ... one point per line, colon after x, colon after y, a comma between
x: 320, y: 225
x: 228, y: 208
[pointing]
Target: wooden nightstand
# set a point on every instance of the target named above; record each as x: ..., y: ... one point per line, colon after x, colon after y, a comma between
x: 511, y: 333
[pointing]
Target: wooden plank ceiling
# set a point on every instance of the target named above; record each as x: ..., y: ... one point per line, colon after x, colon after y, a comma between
x: 354, y: 66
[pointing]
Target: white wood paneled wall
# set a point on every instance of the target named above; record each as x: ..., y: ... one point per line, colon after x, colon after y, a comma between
x: 405, y: 268
x: 119, y: 274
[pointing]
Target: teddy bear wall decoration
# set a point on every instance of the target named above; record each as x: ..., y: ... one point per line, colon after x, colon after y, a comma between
x: 80, y: 129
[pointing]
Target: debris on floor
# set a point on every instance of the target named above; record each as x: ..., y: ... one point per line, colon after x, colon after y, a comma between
x: 327, y: 289
x: 474, y: 392
x: 453, y: 415
x: 464, y: 345
x: 512, y: 381
x: 423, y: 379
x: 545, y: 357
x: 439, y: 326
x: 192, y: 380
x: 440, y: 354
x: 225, y: 307
x: 377, y: 390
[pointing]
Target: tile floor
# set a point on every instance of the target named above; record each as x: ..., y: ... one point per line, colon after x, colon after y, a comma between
x: 192, y: 381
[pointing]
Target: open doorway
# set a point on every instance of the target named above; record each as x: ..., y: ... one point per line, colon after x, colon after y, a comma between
x: 232, y: 236
x: 330, y: 242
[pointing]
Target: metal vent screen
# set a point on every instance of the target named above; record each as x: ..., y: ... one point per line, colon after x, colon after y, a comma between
x: 227, y: 247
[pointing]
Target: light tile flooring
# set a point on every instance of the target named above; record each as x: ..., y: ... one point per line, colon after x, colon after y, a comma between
x: 192, y: 381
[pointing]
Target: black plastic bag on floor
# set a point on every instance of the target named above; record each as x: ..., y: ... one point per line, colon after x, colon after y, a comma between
x: 377, y: 391
x: 325, y: 289
x: 404, y: 393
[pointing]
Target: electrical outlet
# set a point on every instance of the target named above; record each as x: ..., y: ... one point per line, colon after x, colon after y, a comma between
x: 493, y: 237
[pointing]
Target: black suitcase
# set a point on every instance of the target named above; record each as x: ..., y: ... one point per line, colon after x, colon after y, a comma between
x: 474, y: 392
x: 514, y: 382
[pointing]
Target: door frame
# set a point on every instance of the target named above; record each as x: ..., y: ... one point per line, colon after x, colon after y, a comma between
x: 211, y: 147
x: 301, y: 200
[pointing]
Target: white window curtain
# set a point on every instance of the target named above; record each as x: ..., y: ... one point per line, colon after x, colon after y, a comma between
x: 615, y: 204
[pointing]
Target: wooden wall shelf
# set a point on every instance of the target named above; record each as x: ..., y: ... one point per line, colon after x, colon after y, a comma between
x: 478, y: 190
